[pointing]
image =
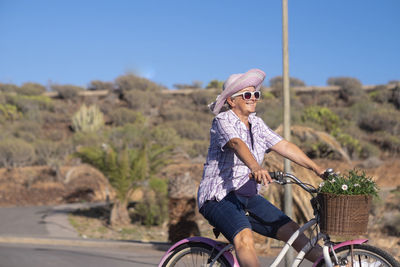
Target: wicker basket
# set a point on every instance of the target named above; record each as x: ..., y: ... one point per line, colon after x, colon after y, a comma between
x: 344, y: 214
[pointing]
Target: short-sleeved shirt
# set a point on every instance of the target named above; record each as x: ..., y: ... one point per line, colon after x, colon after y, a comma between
x: 224, y: 171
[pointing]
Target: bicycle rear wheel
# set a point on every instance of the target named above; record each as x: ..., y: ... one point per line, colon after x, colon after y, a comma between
x: 194, y: 254
x: 362, y: 256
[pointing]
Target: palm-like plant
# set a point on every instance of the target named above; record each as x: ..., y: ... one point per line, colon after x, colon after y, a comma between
x: 126, y: 169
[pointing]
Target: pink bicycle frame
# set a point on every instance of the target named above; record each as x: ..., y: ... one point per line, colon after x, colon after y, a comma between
x: 346, y: 243
x: 198, y: 239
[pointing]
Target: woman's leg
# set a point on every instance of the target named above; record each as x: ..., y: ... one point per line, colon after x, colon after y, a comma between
x: 229, y: 217
x: 286, y: 231
x: 245, y: 250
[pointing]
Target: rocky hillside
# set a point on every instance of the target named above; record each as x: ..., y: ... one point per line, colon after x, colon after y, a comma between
x: 40, y: 133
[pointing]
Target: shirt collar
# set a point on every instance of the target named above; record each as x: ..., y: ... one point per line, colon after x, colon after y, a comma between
x: 232, y: 115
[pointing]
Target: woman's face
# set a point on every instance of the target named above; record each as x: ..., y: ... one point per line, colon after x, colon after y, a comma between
x: 243, y: 106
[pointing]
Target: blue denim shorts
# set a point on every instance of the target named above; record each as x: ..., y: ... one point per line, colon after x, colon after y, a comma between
x: 229, y: 215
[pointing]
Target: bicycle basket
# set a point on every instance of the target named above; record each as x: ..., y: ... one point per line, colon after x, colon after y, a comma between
x: 344, y: 215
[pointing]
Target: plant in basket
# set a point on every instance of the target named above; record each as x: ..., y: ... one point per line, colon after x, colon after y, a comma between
x: 345, y: 201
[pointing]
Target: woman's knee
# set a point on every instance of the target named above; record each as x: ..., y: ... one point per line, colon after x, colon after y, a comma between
x: 244, y: 239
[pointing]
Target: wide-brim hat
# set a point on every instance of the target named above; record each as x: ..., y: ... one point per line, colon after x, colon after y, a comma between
x: 235, y: 83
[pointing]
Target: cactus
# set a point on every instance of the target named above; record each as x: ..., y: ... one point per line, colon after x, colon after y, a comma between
x: 87, y: 119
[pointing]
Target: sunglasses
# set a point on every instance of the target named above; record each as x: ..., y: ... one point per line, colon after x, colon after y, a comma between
x: 248, y: 95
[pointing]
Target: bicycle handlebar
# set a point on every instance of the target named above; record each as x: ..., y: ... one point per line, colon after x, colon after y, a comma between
x: 279, y: 178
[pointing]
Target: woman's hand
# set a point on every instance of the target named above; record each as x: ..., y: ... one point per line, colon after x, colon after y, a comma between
x: 261, y: 176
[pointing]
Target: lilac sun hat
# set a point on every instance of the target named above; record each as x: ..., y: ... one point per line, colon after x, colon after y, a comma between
x: 235, y: 83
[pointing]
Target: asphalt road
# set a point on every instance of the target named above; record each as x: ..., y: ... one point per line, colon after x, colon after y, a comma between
x: 33, y: 255
x: 42, y: 237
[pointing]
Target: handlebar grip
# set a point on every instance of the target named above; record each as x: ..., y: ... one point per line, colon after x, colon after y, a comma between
x: 278, y: 176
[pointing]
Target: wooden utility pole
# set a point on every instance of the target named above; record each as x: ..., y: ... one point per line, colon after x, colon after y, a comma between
x: 286, y: 114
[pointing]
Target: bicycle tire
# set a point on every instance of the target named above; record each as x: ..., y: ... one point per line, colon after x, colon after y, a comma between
x: 194, y: 254
x: 363, y: 255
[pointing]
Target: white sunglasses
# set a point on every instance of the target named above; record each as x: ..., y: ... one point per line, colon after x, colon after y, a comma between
x: 248, y: 95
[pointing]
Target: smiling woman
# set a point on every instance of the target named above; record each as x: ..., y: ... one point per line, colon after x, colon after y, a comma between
x: 233, y: 170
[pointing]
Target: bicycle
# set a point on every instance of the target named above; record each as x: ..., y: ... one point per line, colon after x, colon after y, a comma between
x: 202, y: 251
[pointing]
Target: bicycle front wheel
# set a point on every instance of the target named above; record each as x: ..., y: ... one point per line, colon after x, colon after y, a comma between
x: 362, y: 256
x: 194, y: 254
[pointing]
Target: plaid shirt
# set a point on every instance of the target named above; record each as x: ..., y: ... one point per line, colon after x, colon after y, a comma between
x: 223, y: 170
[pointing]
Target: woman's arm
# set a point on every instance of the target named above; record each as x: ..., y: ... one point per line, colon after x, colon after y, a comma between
x: 244, y: 154
x: 295, y: 154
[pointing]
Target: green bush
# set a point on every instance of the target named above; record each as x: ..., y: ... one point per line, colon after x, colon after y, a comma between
x: 350, y: 144
x: 322, y: 116
x: 150, y: 211
x: 9, y: 112
x: 88, y: 119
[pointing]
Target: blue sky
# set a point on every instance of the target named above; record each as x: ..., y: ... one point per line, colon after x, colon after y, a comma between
x: 173, y: 41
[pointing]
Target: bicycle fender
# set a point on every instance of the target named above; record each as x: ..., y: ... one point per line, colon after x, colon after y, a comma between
x: 199, y: 239
x: 346, y: 243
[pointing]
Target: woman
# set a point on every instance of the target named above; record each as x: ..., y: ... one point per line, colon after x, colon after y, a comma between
x: 233, y: 170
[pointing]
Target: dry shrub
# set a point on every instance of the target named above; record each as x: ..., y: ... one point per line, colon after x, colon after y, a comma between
x: 395, y: 98
x: 192, y: 130
x: 30, y: 88
x: 350, y: 88
x: 100, y: 85
x: 141, y: 101
x: 16, y: 152
x: 70, y: 92
x: 121, y: 116
x: 131, y: 81
x: 382, y: 119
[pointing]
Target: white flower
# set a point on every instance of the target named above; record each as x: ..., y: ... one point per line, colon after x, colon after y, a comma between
x: 344, y: 187
x: 333, y: 180
x: 321, y: 184
x: 356, y: 185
